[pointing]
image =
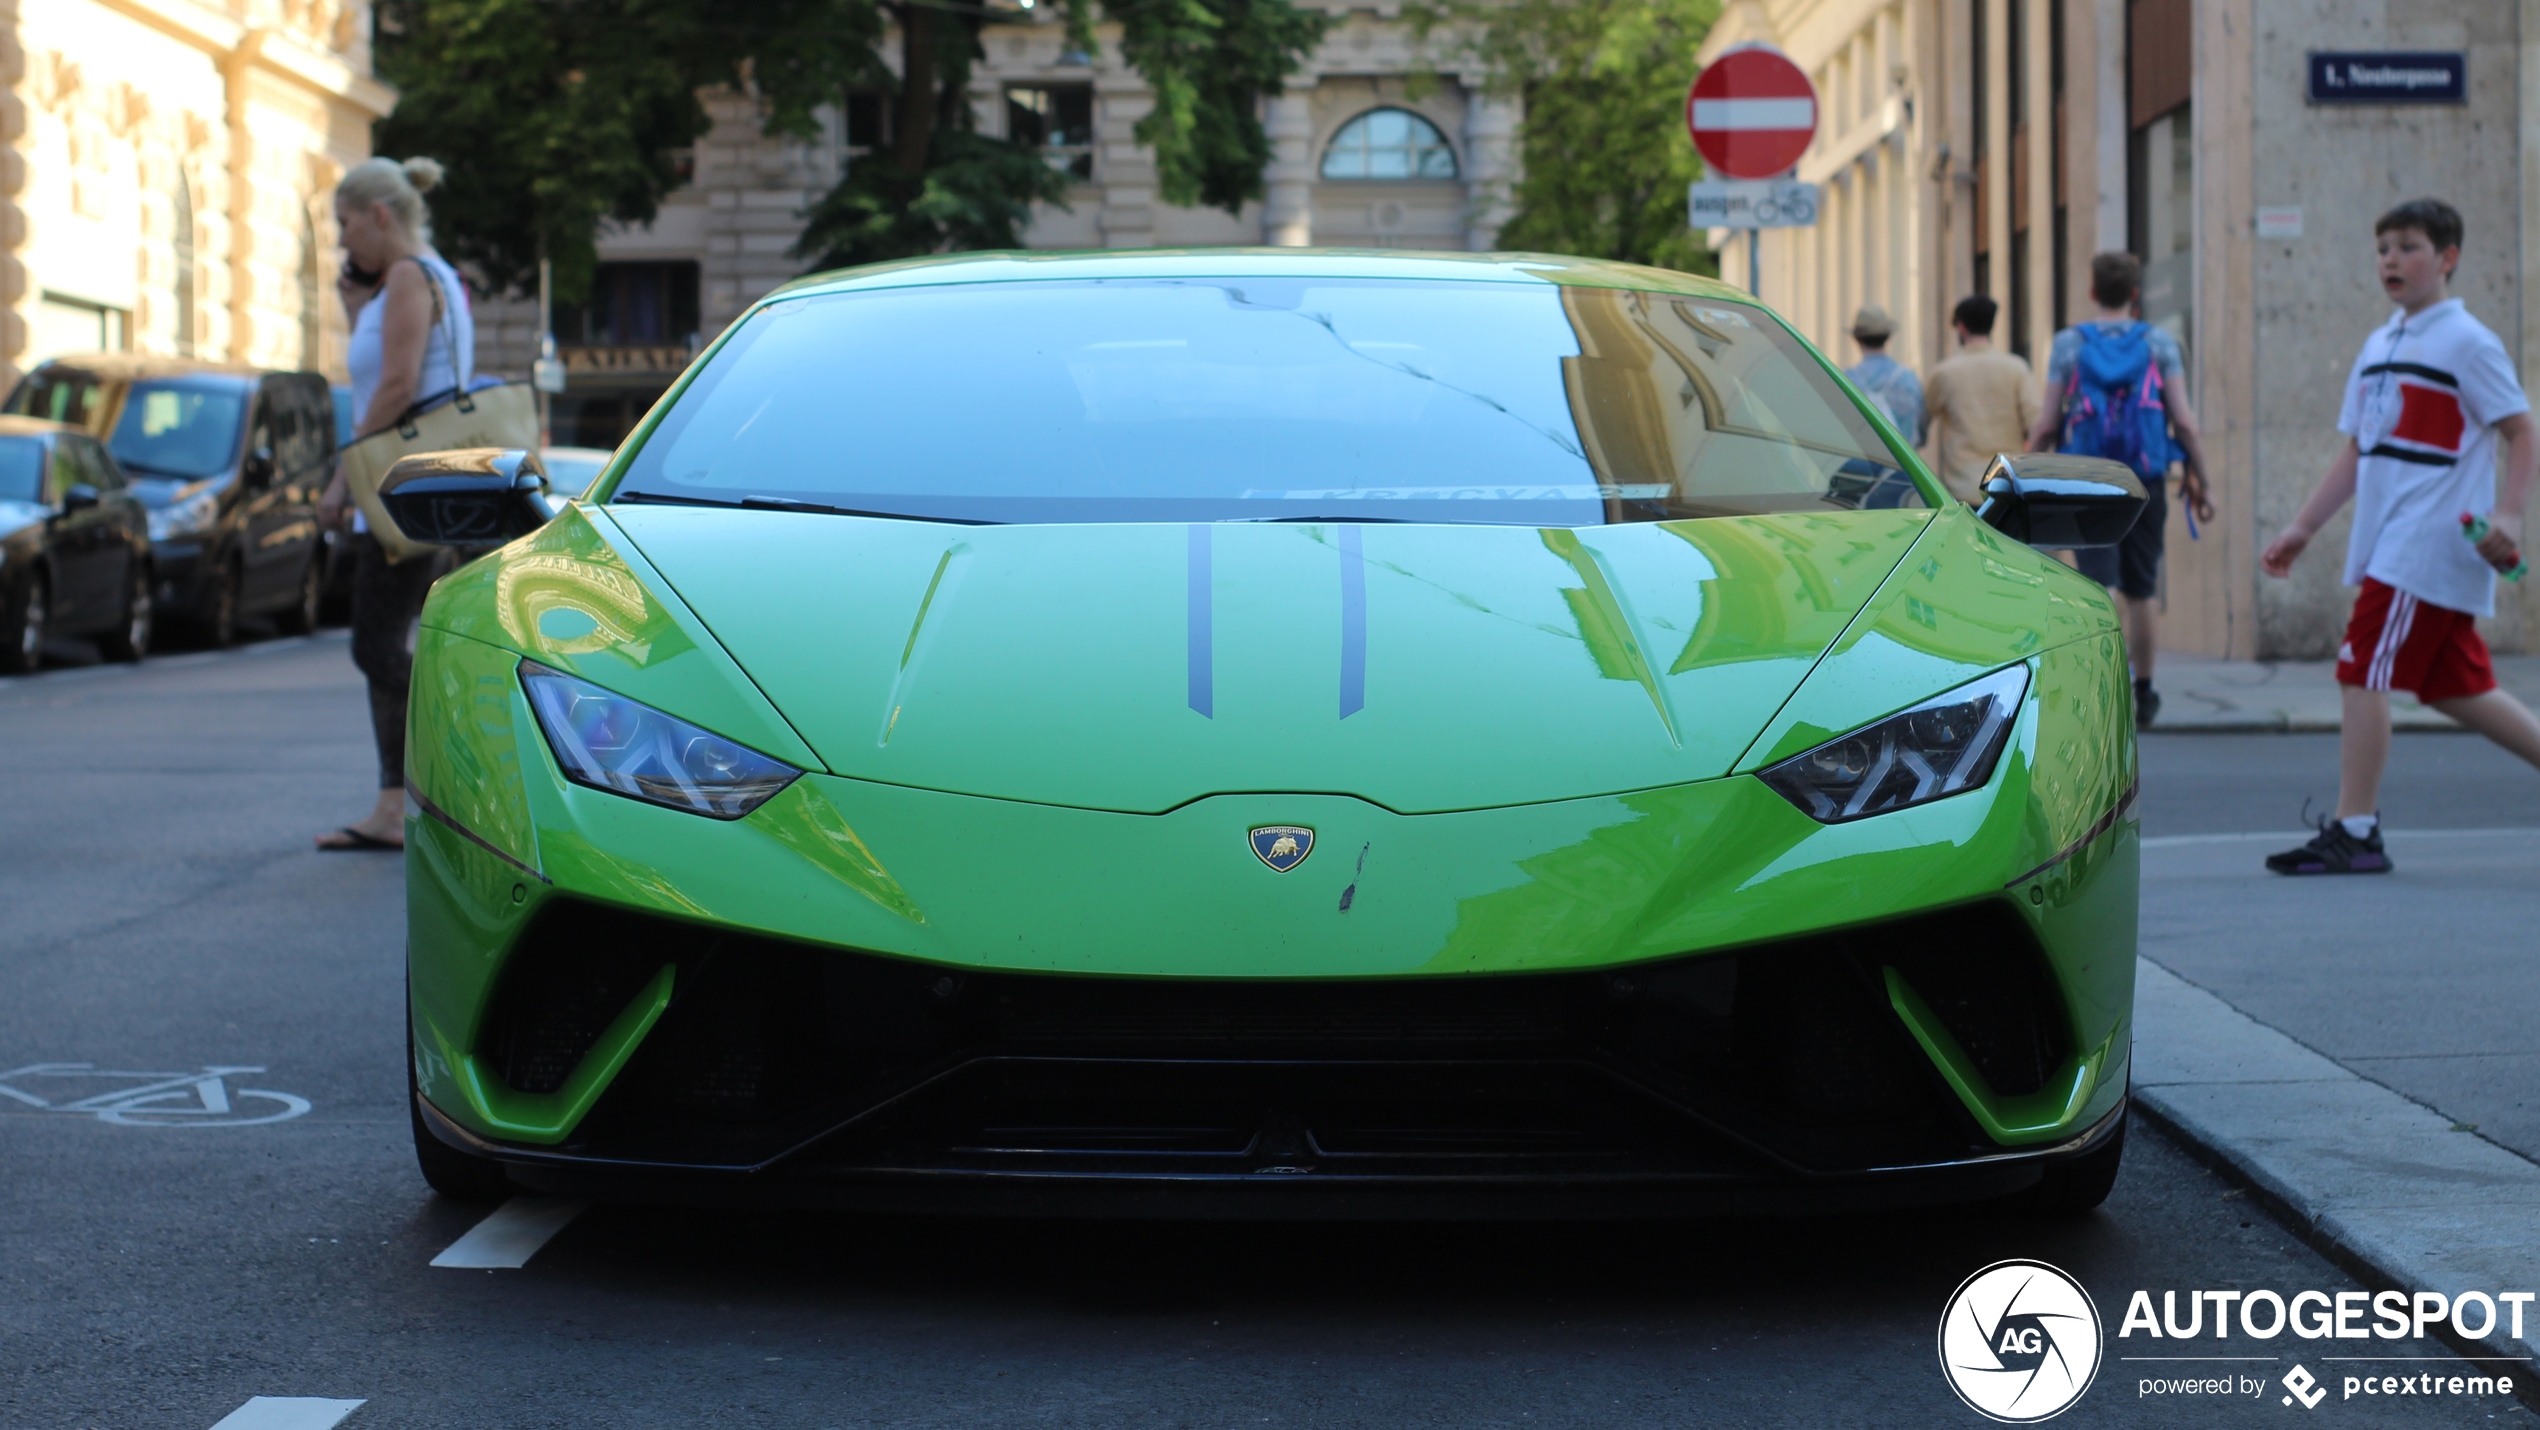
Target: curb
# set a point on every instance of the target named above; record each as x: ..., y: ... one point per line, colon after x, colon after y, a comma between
x: 2368, y: 1178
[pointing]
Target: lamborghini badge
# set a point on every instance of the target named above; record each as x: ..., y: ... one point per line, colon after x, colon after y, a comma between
x: 1282, y: 846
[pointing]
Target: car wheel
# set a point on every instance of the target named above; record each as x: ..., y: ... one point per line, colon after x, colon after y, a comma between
x: 460, y: 1176
x: 2080, y: 1185
x: 301, y: 617
x: 25, y: 628
x: 130, y: 641
x: 225, y: 598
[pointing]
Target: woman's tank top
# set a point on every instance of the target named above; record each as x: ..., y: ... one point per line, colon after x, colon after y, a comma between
x: 364, y: 359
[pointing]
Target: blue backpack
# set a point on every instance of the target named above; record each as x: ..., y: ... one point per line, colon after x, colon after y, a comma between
x: 2113, y: 406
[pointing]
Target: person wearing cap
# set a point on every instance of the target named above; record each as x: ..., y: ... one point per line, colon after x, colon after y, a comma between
x: 1889, y: 383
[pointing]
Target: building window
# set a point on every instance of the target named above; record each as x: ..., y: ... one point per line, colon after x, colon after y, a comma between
x: 1058, y: 120
x: 312, y: 315
x: 184, y: 236
x: 633, y: 305
x: 1389, y: 144
x: 64, y: 324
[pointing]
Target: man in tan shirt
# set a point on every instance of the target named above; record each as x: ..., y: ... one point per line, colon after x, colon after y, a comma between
x: 1981, y: 401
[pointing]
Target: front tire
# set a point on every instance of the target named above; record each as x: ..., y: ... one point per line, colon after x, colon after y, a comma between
x: 2078, y: 1186
x: 130, y: 640
x: 460, y: 1176
x: 26, y: 618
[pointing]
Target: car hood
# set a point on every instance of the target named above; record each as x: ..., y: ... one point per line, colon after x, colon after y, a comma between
x: 1138, y: 667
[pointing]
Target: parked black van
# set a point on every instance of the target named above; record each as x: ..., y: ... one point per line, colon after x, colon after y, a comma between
x: 229, y: 460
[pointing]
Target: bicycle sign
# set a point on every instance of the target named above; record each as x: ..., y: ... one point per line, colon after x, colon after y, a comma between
x: 150, y: 1099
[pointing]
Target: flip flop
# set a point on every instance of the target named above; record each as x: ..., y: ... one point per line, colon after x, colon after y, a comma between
x: 354, y: 839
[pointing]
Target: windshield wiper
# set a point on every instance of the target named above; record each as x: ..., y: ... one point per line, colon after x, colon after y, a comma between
x: 759, y: 503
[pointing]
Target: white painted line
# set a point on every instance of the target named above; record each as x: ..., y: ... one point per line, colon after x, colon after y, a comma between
x: 288, y: 1412
x: 2173, y: 841
x: 506, y: 1240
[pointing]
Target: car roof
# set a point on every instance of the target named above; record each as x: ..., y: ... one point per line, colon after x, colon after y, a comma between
x: 131, y: 367
x: 1014, y: 267
x: 32, y: 427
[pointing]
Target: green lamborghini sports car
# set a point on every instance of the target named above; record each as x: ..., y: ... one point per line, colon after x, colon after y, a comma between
x: 1269, y: 733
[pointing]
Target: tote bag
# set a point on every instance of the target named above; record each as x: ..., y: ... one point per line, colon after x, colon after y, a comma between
x: 502, y: 415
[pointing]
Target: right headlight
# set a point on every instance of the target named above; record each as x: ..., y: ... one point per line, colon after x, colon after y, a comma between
x: 1946, y: 745
x: 604, y: 740
x: 189, y: 516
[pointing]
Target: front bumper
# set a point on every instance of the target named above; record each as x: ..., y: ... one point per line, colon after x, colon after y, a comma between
x: 1775, y: 1078
x: 180, y: 565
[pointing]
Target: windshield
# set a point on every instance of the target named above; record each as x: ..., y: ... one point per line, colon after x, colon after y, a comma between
x: 186, y: 428
x: 21, y: 469
x: 1267, y: 399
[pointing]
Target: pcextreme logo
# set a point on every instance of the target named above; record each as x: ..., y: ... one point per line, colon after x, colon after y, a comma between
x: 2019, y: 1342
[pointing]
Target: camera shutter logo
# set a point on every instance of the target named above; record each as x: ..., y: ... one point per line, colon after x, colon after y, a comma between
x: 2020, y: 1342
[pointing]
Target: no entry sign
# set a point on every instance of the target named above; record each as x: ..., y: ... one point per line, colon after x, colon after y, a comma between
x: 1752, y: 113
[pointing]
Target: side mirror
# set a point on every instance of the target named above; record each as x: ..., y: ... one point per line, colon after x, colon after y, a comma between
x: 258, y: 469
x: 2052, y: 500
x: 482, y: 496
x: 78, y: 496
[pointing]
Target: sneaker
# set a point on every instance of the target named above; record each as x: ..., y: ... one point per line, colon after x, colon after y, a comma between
x: 2147, y: 705
x: 2334, y: 851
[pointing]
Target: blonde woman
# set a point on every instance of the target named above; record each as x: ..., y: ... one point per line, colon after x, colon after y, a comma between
x: 413, y: 341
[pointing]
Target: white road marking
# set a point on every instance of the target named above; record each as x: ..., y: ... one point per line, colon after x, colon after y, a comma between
x: 2173, y: 841
x: 506, y: 1240
x: 289, y: 1412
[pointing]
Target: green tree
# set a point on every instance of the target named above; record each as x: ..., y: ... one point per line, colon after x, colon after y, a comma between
x: 1603, y: 145
x: 556, y: 115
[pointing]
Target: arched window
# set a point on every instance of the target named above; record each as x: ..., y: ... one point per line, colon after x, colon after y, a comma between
x: 184, y: 245
x: 1389, y: 144
x: 312, y: 284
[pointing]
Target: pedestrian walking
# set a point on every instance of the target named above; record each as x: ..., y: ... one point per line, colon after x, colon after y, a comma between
x: 413, y: 344
x: 2431, y: 397
x: 1889, y: 383
x: 2116, y: 387
x: 1982, y: 401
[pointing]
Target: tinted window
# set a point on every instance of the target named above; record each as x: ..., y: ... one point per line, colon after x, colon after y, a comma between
x: 56, y: 394
x: 21, y: 469
x: 1269, y: 399
x: 96, y: 468
x: 185, y: 428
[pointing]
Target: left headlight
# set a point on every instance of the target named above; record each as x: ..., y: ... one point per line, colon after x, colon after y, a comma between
x: 1946, y: 745
x: 606, y: 741
x: 190, y: 517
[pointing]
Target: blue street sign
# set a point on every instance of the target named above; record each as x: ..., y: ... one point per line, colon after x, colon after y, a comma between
x: 2389, y: 77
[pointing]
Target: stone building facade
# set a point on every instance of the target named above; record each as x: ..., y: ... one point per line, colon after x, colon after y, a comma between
x: 1361, y: 157
x: 1992, y: 146
x: 165, y: 170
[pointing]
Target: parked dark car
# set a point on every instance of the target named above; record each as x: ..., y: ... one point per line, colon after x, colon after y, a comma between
x: 74, y: 546
x: 230, y: 461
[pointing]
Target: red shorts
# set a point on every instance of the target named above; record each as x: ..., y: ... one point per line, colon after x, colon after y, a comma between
x: 2396, y: 642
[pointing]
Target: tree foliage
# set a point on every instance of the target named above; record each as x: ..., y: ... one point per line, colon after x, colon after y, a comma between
x: 1603, y: 146
x: 554, y: 116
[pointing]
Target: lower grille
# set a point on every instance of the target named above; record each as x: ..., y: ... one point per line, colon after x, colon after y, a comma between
x: 1787, y: 1050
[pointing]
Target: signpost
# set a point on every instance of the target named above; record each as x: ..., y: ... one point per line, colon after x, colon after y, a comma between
x: 1752, y: 114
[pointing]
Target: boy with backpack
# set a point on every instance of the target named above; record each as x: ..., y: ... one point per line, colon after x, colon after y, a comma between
x: 2430, y: 399
x: 2117, y: 388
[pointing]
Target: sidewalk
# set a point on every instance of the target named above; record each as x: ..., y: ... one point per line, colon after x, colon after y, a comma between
x: 2199, y: 693
x: 2384, y: 1099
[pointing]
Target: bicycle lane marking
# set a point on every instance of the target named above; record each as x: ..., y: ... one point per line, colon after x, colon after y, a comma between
x: 289, y: 1412
x: 517, y: 1231
x: 164, y: 1099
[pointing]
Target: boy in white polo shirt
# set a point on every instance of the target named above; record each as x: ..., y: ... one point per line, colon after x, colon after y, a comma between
x: 2431, y: 398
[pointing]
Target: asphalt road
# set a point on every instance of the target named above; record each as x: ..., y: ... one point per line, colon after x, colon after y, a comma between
x: 161, y: 912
